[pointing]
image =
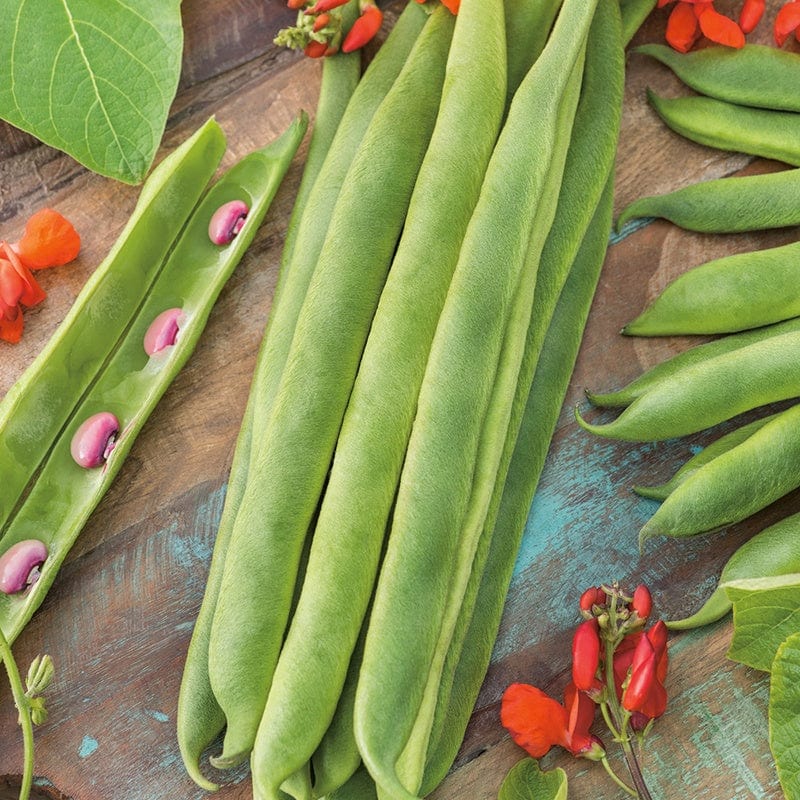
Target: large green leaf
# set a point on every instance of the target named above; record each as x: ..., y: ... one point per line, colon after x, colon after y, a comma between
x: 525, y: 781
x: 784, y: 714
x: 94, y: 78
x: 765, y: 612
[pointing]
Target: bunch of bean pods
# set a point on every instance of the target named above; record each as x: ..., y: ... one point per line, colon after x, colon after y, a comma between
x: 70, y: 420
x: 404, y: 398
x: 750, y: 297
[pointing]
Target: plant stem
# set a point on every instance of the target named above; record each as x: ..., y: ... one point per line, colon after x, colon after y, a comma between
x: 21, y: 702
x: 635, y: 771
x: 614, y: 777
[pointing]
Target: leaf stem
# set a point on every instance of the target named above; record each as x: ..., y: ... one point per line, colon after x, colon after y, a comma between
x: 21, y: 702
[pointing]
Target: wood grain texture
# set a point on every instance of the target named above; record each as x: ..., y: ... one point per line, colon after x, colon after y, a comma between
x: 118, y: 618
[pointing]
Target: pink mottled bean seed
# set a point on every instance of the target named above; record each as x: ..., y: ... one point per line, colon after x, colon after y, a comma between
x: 163, y: 331
x: 20, y: 565
x: 95, y: 439
x: 227, y: 221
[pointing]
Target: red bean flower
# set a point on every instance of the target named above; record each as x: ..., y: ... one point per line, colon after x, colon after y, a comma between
x: 48, y: 240
x: 537, y: 722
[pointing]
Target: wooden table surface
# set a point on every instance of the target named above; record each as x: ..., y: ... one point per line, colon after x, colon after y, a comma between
x: 118, y: 619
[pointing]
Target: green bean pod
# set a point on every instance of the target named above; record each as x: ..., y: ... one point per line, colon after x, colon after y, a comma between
x: 374, y: 434
x: 773, y: 552
x: 725, y: 126
x: 719, y: 446
x: 131, y: 382
x: 728, y: 294
x: 437, y: 479
x: 500, y: 543
x: 528, y: 26
x: 736, y: 484
x: 707, y: 393
x: 589, y: 161
x: 726, y: 205
x: 200, y: 719
x: 634, y: 13
x: 38, y: 405
x: 665, y: 371
x: 286, y: 479
x: 754, y: 75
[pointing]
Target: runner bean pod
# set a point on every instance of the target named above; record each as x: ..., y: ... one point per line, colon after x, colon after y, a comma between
x: 444, y: 442
x: 736, y: 484
x: 585, y: 178
x: 665, y: 371
x: 634, y: 13
x: 719, y: 446
x: 773, y: 552
x: 729, y: 294
x: 374, y: 433
x: 287, y: 477
x: 506, y: 524
x: 709, y: 392
x: 754, y: 75
x: 38, y: 405
x: 726, y: 205
x: 725, y: 126
x: 130, y: 382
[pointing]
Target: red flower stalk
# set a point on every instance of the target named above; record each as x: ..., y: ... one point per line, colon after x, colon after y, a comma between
x: 787, y: 22
x: 364, y: 28
x: 586, y: 655
x: 537, y: 722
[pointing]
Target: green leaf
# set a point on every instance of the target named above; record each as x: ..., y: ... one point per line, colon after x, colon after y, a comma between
x: 525, y: 781
x: 784, y: 715
x: 94, y: 79
x: 765, y: 612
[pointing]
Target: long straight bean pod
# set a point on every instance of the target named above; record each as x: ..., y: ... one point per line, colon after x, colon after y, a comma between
x: 528, y: 26
x: 773, y: 552
x: 507, y: 525
x: 725, y: 126
x: 437, y: 476
x: 69, y: 486
x: 575, y: 244
x: 37, y: 406
x: 707, y: 393
x: 665, y: 371
x: 726, y: 205
x: 634, y: 13
x: 287, y: 477
x: 736, y: 484
x: 372, y: 442
x: 200, y: 719
x: 343, y: 114
x: 728, y: 294
x: 754, y: 75
x: 719, y: 446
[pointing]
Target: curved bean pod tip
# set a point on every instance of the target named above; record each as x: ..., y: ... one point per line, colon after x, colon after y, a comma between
x: 163, y: 331
x: 95, y: 439
x: 20, y: 565
x: 227, y: 221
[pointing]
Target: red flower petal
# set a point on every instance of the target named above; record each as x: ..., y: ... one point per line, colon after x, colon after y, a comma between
x: 32, y: 293
x: 535, y: 721
x: 580, y: 716
x: 682, y: 27
x: 720, y: 29
x: 11, y: 327
x: 11, y: 286
x: 751, y: 14
x: 585, y: 654
x: 452, y: 5
x: 787, y: 21
x: 49, y: 240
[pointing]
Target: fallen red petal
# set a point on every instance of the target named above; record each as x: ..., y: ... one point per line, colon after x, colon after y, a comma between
x: 49, y: 240
x: 787, y: 22
x: 535, y: 721
x: 682, y: 28
x: 720, y: 29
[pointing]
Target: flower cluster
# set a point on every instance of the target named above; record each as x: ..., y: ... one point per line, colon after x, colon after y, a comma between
x: 48, y: 240
x: 690, y: 20
x: 319, y: 30
x: 618, y: 667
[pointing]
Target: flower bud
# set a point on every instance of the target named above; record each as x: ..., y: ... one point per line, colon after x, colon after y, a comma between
x: 594, y: 751
x: 642, y: 602
x: 593, y: 596
x: 585, y: 655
